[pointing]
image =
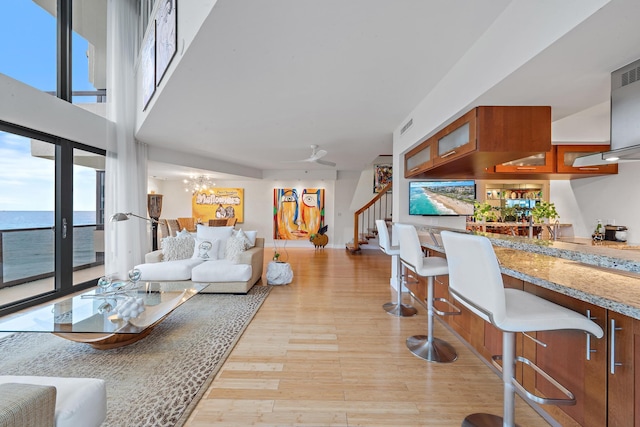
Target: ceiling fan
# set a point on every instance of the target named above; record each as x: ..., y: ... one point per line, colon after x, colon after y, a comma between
x: 316, y: 157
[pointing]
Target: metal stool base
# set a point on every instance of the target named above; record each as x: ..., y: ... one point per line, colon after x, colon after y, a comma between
x: 483, y: 420
x: 400, y: 310
x: 437, y: 351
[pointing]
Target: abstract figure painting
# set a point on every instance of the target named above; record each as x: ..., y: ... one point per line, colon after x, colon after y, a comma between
x: 166, y: 36
x: 148, y: 67
x: 297, y: 213
x: 382, y: 175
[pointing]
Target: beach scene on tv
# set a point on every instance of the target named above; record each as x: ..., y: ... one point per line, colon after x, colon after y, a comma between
x: 441, y: 197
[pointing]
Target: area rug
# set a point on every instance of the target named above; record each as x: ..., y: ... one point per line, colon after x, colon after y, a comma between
x: 156, y: 381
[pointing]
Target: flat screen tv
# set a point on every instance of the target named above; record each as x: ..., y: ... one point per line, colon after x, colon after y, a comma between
x: 441, y: 198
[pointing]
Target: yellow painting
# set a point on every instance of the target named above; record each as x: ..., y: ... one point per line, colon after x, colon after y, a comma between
x: 297, y: 213
x: 218, y: 203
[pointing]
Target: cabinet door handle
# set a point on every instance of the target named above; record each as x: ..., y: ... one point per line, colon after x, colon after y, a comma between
x: 450, y: 153
x: 589, y: 349
x: 613, y: 362
x: 589, y: 169
x: 522, y: 168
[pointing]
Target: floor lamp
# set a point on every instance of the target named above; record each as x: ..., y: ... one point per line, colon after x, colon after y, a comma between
x: 125, y: 217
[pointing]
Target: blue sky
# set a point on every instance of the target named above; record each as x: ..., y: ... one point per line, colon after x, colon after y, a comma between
x: 28, y: 54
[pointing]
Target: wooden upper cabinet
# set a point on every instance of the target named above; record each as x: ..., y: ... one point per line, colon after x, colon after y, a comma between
x: 473, y: 144
x: 419, y: 159
x: 566, y: 154
x: 537, y: 163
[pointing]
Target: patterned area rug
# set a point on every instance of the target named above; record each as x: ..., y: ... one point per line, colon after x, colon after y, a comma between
x: 156, y: 381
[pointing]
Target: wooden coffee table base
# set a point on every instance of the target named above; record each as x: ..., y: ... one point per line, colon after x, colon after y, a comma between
x: 105, y: 341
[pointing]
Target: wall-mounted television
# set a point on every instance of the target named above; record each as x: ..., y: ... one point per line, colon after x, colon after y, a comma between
x: 442, y: 198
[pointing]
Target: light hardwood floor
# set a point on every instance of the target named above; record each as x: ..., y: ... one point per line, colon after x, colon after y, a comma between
x: 321, y: 351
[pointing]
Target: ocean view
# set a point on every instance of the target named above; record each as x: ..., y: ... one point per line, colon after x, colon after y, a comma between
x: 12, y: 220
x: 28, y: 253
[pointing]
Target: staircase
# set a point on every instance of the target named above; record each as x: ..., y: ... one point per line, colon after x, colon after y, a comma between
x: 364, y: 220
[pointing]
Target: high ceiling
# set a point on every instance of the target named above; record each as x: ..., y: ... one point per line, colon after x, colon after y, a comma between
x: 264, y: 80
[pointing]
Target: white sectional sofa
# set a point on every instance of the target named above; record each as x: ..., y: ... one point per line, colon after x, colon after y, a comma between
x: 230, y: 261
x: 27, y: 401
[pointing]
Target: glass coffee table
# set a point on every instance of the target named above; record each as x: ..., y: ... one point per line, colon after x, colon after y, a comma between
x: 103, y: 319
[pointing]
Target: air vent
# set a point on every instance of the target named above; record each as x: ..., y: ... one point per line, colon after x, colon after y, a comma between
x: 406, y: 126
x: 625, y: 75
x: 630, y: 76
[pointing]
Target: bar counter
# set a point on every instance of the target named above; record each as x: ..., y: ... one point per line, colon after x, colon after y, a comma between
x: 606, y: 274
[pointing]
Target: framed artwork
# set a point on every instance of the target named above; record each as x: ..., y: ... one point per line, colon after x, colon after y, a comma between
x: 148, y: 67
x: 218, y: 203
x: 297, y: 213
x: 382, y: 175
x: 166, y: 36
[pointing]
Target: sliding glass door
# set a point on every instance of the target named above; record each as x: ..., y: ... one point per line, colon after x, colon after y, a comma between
x: 51, y: 216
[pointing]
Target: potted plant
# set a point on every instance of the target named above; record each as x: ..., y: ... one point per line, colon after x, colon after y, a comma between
x: 544, y: 210
x: 509, y: 214
x: 484, y: 212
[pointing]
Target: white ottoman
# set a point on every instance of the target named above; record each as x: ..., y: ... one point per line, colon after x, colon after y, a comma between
x: 279, y: 273
x: 79, y: 401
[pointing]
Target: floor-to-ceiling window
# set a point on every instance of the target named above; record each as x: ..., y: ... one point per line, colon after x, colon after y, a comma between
x: 51, y: 216
x: 28, y: 45
x: 52, y: 197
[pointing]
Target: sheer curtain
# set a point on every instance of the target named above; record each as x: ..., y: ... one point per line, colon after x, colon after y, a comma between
x: 126, y: 169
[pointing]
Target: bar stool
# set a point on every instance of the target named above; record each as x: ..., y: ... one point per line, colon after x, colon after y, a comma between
x: 411, y: 256
x: 476, y: 282
x: 393, y: 308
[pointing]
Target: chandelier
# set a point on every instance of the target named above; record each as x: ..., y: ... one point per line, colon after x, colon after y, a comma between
x: 197, y: 184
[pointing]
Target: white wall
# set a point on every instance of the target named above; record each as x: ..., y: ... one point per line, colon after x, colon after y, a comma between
x: 258, y: 207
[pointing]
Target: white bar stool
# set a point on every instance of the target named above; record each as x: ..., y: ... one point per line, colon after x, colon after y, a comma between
x: 475, y: 280
x: 424, y: 346
x: 394, y: 308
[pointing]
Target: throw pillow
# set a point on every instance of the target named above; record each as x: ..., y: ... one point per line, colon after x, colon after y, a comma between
x: 244, y: 237
x: 213, y: 233
x: 251, y: 235
x: 235, y: 246
x: 175, y: 248
x: 206, y: 249
x: 183, y: 233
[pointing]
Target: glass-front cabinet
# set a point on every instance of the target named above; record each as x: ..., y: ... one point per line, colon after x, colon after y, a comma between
x: 537, y: 163
x: 419, y: 159
x: 457, y: 139
x: 566, y: 154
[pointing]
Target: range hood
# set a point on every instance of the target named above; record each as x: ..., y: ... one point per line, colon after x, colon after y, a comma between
x: 625, y: 119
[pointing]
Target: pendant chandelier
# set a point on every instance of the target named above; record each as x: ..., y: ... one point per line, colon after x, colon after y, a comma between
x: 197, y: 184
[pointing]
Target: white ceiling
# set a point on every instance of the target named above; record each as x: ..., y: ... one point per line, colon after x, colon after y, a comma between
x: 263, y: 80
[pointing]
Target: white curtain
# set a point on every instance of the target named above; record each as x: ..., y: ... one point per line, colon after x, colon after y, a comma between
x: 126, y: 169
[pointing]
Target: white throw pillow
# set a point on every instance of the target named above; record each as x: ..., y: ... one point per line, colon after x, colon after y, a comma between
x: 239, y: 234
x: 251, y: 236
x: 215, y: 233
x: 183, y: 233
x: 176, y: 248
x: 235, y: 246
x: 206, y: 249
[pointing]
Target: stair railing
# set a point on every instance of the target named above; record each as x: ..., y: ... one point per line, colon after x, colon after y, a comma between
x: 364, y: 219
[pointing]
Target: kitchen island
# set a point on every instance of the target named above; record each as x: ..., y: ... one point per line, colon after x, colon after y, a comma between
x: 601, y: 280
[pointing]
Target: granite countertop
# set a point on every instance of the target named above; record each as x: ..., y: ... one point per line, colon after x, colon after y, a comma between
x: 605, y: 274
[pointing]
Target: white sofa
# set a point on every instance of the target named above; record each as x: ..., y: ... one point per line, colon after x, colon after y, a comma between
x: 78, y: 401
x: 210, y: 262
